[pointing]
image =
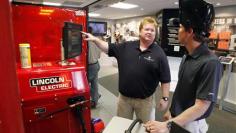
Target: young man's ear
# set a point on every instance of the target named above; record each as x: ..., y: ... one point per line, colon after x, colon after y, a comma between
x: 190, y: 30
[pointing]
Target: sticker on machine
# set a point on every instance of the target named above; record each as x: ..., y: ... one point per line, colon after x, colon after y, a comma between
x: 50, y: 83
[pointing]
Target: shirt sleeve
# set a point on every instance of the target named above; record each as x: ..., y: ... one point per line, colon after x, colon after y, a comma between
x: 164, y: 70
x: 115, y: 49
x: 209, y: 80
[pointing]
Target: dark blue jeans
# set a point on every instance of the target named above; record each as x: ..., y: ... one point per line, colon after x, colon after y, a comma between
x: 93, y: 81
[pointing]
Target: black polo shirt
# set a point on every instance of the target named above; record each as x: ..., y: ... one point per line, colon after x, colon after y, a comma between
x: 140, y: 71
x: 199, y: 78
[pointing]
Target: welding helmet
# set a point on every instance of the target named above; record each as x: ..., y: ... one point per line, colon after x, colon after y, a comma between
x: 196, y: 14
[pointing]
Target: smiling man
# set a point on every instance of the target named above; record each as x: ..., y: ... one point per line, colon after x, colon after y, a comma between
x: 142, y: 65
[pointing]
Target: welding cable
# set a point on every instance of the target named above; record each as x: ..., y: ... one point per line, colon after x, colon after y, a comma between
x: 62, y: 109
x: 79, y: 112
x: 132, y: 125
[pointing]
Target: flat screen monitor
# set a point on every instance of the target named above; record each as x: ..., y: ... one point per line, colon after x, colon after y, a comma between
x: 99, y: 28
x: 72, y: 40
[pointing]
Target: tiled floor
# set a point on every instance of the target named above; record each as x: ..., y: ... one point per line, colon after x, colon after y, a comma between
x: 106, y: 108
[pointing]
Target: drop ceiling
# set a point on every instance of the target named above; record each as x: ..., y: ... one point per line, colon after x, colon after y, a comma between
x: 145, y: 7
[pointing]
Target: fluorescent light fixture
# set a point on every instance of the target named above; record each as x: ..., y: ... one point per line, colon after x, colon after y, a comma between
x: 51, y: 4
x: 123, y: 5
x: 218, y: 4
x: 176, y: 3
x: 94, y: 14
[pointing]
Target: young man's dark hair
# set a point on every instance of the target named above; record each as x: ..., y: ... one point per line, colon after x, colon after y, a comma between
x: 198, y: 15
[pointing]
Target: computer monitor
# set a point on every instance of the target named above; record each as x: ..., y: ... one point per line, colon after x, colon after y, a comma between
x: 72, y: 40
x: 99, y: 28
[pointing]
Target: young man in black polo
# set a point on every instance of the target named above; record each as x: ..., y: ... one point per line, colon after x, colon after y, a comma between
x: 199, y: 73
x: 142, y: 64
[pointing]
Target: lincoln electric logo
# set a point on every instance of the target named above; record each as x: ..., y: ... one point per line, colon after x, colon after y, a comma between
x: 50, y: 83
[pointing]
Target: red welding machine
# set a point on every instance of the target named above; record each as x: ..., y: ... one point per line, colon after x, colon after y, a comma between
x: 55, y: 95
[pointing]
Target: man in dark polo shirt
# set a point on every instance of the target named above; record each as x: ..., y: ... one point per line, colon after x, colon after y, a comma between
x: 199, y: 73
x: 142, y: 65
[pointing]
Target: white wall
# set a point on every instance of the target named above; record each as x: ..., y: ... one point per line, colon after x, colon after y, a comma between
x: 131, y: 24
x: 226, y: 11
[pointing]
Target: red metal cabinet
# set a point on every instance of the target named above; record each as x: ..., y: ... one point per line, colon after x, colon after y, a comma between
x: 46, y: 87
x: 46, y: 91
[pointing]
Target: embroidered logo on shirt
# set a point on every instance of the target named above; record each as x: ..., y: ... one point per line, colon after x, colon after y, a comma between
x: 149, y: 58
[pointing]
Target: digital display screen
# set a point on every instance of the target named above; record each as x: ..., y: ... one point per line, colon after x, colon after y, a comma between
x: 72, y: 40
x: 75, y: 37
x: 99, y: 28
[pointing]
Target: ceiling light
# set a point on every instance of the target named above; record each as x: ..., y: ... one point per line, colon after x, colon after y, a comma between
x: 51, y: 4
x: 94, y: 14
x: 218, y: 4
x: 123, y: 5
x: 176, y: 3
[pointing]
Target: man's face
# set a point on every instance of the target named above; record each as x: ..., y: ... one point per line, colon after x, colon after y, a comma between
x: 148, y: 33
x: 183, y: 35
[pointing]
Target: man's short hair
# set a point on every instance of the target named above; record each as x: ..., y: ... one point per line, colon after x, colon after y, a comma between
x: 147, y: 20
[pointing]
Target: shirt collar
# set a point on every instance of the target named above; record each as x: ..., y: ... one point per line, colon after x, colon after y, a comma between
x: 149, y: 48
x: 201, y: 49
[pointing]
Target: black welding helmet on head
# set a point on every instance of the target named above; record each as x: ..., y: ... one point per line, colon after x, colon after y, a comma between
x: 196, y: 14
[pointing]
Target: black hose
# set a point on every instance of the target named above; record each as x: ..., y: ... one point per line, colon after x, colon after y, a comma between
x: 132, y: 125
x: 79, y: 113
